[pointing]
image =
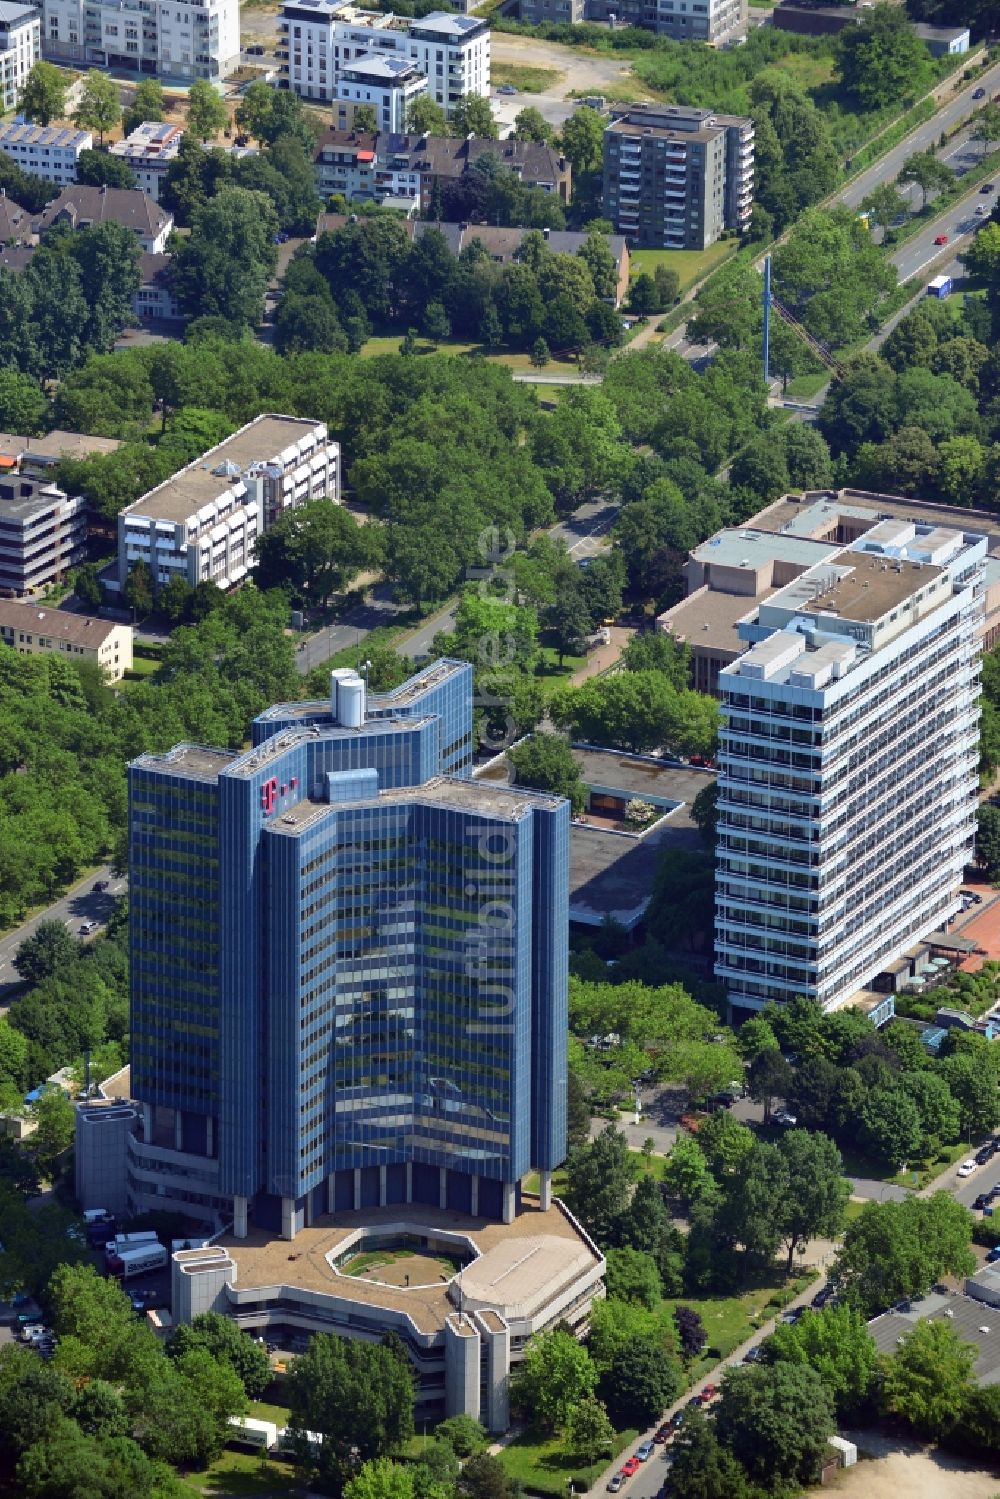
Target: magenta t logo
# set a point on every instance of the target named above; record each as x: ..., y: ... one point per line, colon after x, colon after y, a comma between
x: 269, y: 795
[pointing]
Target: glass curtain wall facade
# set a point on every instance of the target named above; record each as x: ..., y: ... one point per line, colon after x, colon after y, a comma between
x: 349, y: 970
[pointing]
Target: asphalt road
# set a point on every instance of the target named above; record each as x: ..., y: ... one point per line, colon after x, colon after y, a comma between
x: 75, y: 907
x: 959, y: 223
x: 923, y: 138
x: 379, y: 608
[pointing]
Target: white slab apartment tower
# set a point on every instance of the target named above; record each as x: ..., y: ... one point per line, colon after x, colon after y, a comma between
x: 848, y: 785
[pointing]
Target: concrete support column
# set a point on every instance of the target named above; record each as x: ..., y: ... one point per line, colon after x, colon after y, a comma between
x: 442, y: 1186
x: 288, y: 1217
x: 508, y: 1202
x: 461, y: 1367
x: 331, y: 1193
x: 545, y: 1190
x: 147, y: 1123
x: 383, y: 1186
x: 409, y: 1181
x: 309, y: 1210
x: 474, y: 1204
x: 178, y: 1130
x: 210, y: 1136
x: 239, y: 1217
x: 357, y: 1188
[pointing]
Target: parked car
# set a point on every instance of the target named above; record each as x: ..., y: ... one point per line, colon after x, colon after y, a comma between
x: 662, y: 1434
x: 753, y: 1355
x: 993, y: 1255
x: 630, y: 1465
x: 785, y: 1119
x: 709, y: 1393
x: 982, y: 1156
x: 507, y: 88
x: 644, y: 1452
x: 979, y: 93
x: 981, y: 1201
x: 822, y: 1296
x: 86, y: 927
x: 967, y: 1168
x: 615, y: 1482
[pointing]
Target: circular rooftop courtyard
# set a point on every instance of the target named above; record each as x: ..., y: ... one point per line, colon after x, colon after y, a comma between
x: 403, y: 1259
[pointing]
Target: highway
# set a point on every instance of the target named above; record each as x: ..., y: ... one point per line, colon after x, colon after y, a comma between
x: 923, y: 138
x: 78, y: 905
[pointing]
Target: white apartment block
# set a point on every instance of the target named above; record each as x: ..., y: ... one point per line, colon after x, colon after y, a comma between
x: 49, y: 151
x: 848, y: 756
x: 202, y: 524
x: 149, y: 150
x: 388, y: 84
x: 20, y: 48
x: 323, y: 37
x: 175, y: 39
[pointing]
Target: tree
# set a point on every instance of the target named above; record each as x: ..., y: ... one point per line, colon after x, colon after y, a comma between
x: 101, y: 169
x: 226, y: 1342
x: 206, y: 113
x: 583, y: 140
x: 55, y: 1119
x: 100, y: 106
x: 988, y: 838
x: 726, y: 1143
x: 978, y: 1428
x: 540, y: 355
x: 768, y: 1078
x: 435, y: 324
x: 884, y: 205
x: 987, y: 126
x: 546, y: 762
x: 632, y: 1276
x: 381, y: 1479
x: 49, y: 948
x: 890, y: 1126
x: 641, y: 1382
x: 426, y: 117
x: 554, y: 1376
x: 837, y: 1344
x: 358, y: 1396
x: 929, y: 1379
x: 138, y: 589
x: 463, y: 1434
x: 365, y: 117
x: 485, y: 1477
x: 599, y: 1180
x: 315, y: 549
x: 43, y: 97
x: 927, y: 172
x: 531, y: 125
x: 685, y: 1171
x: 897, y: 1250
x: 473, y: 115
x: 224, y: 266
x: 982, y: 254
x: 690, y: 1330
x: 702, y: 1467
x: 776, y: 1419
x: 146, y: 105
x: 882, y: 60
x: 589, y: 1433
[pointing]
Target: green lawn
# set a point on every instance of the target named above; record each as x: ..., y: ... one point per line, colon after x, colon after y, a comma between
x: 803, y: 387
x: 263, y: 1410
x: 240, y: 1473
x: 541, y: 1466
x: 142, y: 666
x: 526, y: 78
x: 549, y: 672
x: 809, y: 71
x: 730, y: 1320
x: 389, y: 344
x: 690, y: 265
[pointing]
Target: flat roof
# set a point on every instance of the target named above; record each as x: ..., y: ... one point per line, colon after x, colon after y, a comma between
x: 734, y: 548
x: 198, y: 761
x: 398, y: 697
x: 262, y: 1260
x: 183, y: 495
x: 641, y: 775
x: 708, y: 618
x: 964, y: 1315
x: 57, y: 444
x: 802, y: 514
x: 481, y: 797
x: 859, y: 586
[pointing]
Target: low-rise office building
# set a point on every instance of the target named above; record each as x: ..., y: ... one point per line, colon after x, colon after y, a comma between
x: 49, y: 151
x: 27, y: 629
x: 678, y: 178
x: 83, y: 207
x: 202, y: 525
x: 720, y: 23
x: 322, y: 38
x: 154, y: 301
x: 20, y: 48
x: 43, y: 533
x: 148, y: 150
x: 152, y: 37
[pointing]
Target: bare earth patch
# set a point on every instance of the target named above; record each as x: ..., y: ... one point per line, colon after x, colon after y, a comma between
x: 890, y: 1468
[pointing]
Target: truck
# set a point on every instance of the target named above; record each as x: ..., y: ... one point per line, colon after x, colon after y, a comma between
x: 253, y: 1433
x: 117, y: 1242
x: 940, y: 286
x: 138, y: 1261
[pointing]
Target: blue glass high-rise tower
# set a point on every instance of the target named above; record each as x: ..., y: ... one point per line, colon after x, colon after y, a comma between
x: 348, y: 965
